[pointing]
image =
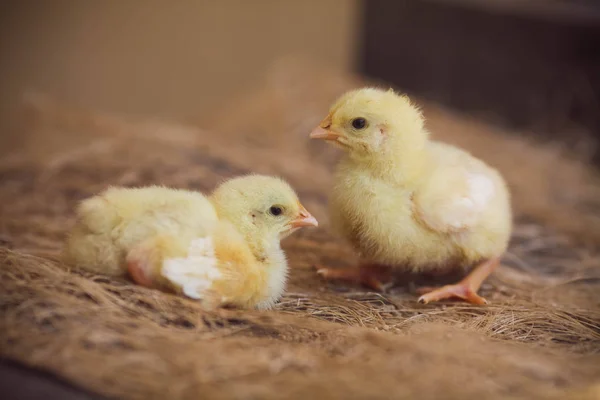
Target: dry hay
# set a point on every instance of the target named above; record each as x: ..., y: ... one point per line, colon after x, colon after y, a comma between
x: 539, y: 338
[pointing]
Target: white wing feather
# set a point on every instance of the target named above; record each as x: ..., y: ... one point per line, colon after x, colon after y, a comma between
x: 481, y: 190
x: 465, y: 210
x: 458, y: 212
x: 196, y: 273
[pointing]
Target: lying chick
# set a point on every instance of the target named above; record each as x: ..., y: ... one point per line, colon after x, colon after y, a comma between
x: 223, y: 249
x: 406, y: 202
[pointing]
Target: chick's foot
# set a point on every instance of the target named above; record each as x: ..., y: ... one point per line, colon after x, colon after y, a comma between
x: 137, y: 269
x: 465, y: 289
x: 375, y: 277
x: 458, y: 291
x: 145, y: 260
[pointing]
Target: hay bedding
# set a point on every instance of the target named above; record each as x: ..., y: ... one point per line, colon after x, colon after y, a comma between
x: 539, y: 338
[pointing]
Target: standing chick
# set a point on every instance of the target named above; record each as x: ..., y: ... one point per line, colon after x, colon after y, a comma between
x: 224, y: 249
x: 406, y: 202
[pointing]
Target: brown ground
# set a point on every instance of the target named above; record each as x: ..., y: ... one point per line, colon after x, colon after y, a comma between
x: 539, y: 337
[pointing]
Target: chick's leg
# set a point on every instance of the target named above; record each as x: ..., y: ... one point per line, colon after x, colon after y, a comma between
x: 145, y: 260
x: 465, y: 289
x: 376, y: 277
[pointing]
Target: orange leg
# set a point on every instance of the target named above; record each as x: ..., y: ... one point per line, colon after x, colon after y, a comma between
x: 137, y: 269
x: 465, y: 289
x: 374, y: 277
x: 144, y: 260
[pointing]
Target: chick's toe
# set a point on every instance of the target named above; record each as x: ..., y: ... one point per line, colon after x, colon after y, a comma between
x: 457, y: 291
x: 374, y: 277
x: 465, y: 289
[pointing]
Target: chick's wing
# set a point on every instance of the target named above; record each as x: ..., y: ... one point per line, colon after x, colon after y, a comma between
x: 195, y: 273
x: 454, y: 199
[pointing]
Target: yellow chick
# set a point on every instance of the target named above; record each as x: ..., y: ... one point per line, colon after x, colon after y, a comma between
x: 406, y: 202
x: 223, y: 249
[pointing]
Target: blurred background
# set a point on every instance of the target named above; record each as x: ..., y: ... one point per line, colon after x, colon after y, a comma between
x: 531, y: 66
x: 526, y: 64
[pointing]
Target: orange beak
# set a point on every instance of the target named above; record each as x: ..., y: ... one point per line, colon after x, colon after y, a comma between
x: 304, y: 219
x: 325, y: 134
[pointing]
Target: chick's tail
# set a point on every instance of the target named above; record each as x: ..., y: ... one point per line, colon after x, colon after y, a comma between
x: 92, y: 252
x: 89, y: 245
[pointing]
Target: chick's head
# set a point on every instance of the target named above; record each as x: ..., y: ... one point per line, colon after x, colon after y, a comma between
x: 261, y: 207
x: 372, y: 121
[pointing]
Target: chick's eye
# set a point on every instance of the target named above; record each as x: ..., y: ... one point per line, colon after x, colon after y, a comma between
x: 275, y: 210
x: 359, y: 123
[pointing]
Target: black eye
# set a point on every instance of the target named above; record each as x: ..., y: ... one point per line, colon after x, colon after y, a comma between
x: 359, y: 123
x: 275, y: 210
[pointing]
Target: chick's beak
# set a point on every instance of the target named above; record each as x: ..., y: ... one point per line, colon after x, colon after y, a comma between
x: 304, y: 219
x: 325, y: 134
